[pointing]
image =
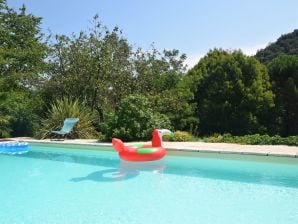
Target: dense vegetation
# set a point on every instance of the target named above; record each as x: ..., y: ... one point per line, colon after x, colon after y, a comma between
x: 22, y: 63
x: 117, y: 90
x: 284, y: 76
x: 232, y: 93
x: 255, y: 139
x: 286, y: 44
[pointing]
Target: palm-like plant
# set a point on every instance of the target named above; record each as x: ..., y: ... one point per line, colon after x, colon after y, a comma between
x: 65, y: 108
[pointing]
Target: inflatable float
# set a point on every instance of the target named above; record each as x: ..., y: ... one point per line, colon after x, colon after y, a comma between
x: 142, y: 152
x: 13, y: 147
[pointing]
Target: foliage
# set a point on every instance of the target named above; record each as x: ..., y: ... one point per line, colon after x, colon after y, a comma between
x: 4, y: 118
x: 226, y: 92
x: 255, y: 139
x: 22, y: 51
x: 232, y: 93
x: 155, y: 72
x: 22, y: 55
x: 284, y: 76
x: 92, y: 67
x: 176, y: 105
x: 66, y: 108
x: 179, y: 136
x: 23, y: 109
x: 286, y: 44
x: 101, y: 69
x: 134, y: 120
x: 159, y: 76
x: 4, y: 126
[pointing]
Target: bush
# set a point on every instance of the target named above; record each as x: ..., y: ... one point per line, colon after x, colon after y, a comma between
x: 167, y: 138
x: 22, y: 110
x: 179, y: 136
x: 4, y: 126
x: 25, y: 120
x: 65, y: 108
x: 215, y: 138
x: 182, y: 136
x: 255, y: 139
x: 134, y: 120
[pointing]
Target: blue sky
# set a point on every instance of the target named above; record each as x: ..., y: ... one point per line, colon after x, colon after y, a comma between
x: 191, y: 26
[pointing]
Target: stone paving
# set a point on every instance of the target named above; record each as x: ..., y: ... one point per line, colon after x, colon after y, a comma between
x: 265, y: 150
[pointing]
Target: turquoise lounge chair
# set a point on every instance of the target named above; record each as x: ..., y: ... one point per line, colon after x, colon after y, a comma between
x: 67, y: 127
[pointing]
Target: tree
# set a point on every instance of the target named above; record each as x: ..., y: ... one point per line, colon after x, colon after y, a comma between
x: 177, y: 106
x: 283, y: 71
x: 101, y: 68
x: 22, y: 51
x: 232, y: 92
x: 22, y: 64
x: 159, y: 76
x: 92, y: 67
x: 155, y: 72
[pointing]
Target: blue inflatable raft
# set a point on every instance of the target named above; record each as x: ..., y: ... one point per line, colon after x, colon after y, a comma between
x: 13, y: 147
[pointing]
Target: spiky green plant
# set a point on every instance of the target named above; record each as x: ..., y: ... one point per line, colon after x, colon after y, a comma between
x: 65, y: 108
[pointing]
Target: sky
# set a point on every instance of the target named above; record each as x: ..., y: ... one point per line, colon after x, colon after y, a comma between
x: 191, y: 26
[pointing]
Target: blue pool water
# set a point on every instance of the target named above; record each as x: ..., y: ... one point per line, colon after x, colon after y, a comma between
x: 63, y: 185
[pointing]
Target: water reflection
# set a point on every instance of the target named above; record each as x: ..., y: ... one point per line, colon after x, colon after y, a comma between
x: 125, y: 171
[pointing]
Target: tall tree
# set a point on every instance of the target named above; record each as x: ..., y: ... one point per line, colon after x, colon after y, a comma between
x: 22, y: 54
x: 232, y: 92
x: 101, y: 68
x: 22, y: 51
x: 93, y: 67
x: 284, y: 75
x: 159, y: 76
x: 156, y: 71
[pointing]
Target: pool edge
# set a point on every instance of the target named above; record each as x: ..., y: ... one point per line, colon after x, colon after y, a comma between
x: 182, y: 149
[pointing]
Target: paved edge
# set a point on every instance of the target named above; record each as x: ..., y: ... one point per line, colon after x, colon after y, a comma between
x: 220, y: 148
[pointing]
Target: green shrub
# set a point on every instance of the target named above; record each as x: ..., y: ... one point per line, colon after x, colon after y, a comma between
x: 4, y: 126
x: 167, y: 137
x: 292, y: 140
x: 182, y: 136
x: 23, y: 109
x: 25, y: 120
x: 65, y: 108
x: 134, y: 120
x: 179, y: 136
x: 255, y: 139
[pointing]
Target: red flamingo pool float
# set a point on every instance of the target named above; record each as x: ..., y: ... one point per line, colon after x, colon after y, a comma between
x: 142, y: 152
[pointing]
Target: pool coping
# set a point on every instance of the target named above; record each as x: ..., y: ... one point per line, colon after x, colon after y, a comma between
x: 220, y: 148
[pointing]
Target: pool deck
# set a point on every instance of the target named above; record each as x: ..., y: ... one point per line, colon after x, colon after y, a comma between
x: 264, y: 150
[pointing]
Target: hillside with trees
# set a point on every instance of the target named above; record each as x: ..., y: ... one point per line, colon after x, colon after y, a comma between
x: 286, y: 44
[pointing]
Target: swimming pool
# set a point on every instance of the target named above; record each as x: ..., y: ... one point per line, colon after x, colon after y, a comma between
x: 56, y: 184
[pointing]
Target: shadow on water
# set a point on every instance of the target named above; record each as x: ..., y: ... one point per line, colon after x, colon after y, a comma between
x: 118, y: 170
x: 108, y: 175
x: 126, y: 171
x: 73, y: 158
